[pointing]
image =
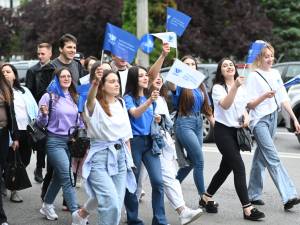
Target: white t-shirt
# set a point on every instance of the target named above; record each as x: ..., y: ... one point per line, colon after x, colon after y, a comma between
x: 102, y: 127
x: 123, y: 77
x: 22, y: 117
x: 257, y: 86
x: 162, y: 107
x: 229, y: 117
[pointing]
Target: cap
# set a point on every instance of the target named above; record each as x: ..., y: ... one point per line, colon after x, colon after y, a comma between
x: 79, y: 55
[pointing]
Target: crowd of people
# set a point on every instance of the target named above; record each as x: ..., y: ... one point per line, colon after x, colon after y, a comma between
x: 128, y: 122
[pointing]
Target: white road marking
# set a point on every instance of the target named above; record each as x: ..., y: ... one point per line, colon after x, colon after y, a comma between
x: 212, y: 149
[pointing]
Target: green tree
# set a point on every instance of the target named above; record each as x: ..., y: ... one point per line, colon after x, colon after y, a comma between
x: 286, y: 31
x: 8, y: 25
x: 223, y: 28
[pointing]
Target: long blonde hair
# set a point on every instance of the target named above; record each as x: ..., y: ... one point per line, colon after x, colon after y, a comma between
x: 258, y: 60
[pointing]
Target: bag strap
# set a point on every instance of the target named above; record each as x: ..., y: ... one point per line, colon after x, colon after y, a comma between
x: 49, y: 109
x: 74, y: 180
x: 226, y: 89
x: 268, y: 85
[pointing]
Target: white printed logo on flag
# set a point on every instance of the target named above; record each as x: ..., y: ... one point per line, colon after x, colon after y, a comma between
x: 184, y: 76
x: 167, y: 37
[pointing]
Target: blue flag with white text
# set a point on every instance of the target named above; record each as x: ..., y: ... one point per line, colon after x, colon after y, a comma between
x: 120, y: 43
x: 176, y: 21
x: 255, y: 50
x: 55, y: 88
x: 82, y: 91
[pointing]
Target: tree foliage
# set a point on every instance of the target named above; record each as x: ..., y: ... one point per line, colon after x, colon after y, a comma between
x: 223, y: 28
x: 85, y: 19
x: 8, y: 24
x: 286, y: 31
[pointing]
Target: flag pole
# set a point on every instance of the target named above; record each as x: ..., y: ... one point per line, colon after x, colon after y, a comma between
x: 243, y: 73
x: 102, y: 55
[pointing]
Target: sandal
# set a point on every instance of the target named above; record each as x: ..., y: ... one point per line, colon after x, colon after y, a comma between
x: 254, y: 215
x: 210, y: 206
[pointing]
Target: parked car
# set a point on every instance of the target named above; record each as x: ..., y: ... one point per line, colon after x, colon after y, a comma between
x: 22, y: 67
x: 288, y: 70
x: 209, y: 70
x: 294, y: 95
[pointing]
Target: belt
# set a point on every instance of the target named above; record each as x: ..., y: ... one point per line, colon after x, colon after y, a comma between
x: 117, y: 146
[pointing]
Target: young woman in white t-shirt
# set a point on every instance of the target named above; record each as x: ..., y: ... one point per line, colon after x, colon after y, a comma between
x: 266, y: 94
x: 228, y: 95
x: 107, y: 166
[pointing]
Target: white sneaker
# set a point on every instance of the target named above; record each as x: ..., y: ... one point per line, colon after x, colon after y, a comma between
x: 48, y: 211
x: 189, y: 215
x: 4, y: 223
x: 78, y: 220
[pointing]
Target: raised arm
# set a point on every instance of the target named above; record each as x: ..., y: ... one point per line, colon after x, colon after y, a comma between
x: 91, y: 99
x: 155, y: 68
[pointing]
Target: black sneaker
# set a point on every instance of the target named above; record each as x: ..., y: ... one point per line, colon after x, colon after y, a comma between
x: 290, y: 203
x: 38, y: 175
x: 255, y: 215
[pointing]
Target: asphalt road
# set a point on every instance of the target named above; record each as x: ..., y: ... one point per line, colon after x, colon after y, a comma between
x: 230, y: 212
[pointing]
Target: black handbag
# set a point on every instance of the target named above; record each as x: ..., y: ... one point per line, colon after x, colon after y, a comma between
x: 15, y: 176
x: 78, y: 142
x: 78, y: 145
x: 37, y: 134
x: 244, y: 139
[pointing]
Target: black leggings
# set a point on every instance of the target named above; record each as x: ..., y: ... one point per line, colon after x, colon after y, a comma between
x: 226, y: 141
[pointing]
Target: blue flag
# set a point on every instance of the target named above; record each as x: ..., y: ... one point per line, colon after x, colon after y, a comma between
x: 291, y: 82
x: 120, y: 43
x: 55, y: 88
x: 82, y: 91
x: 147, y: 43
x: 176, y: 21
x: 255, y: 50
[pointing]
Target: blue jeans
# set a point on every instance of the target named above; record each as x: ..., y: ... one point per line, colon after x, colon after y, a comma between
x: 141, y: 152
x: 188, y: 130
x: 58, y: 156
x: 266, y: 155
x: 108, y: 190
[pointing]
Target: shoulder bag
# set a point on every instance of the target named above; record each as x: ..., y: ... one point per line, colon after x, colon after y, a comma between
x: 38, y: 134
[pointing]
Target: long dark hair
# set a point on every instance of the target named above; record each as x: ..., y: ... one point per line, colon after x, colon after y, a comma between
x: 186, y: 100
x: 6, y: 93
x: 100, y: 94
x: 72, y: 88
x: 16, y: 82
x: 219, y: 79
x: 132, y: 87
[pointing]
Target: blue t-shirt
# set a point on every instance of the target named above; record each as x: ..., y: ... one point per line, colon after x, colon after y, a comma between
x: 198, y: 99
x: 142, y: 124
